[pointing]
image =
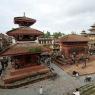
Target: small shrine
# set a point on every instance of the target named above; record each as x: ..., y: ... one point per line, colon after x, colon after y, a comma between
x: 73, y: 43
x: 25, y: 53
x: 83, y: 33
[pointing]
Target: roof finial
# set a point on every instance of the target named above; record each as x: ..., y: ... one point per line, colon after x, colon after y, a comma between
x: 24, y: 14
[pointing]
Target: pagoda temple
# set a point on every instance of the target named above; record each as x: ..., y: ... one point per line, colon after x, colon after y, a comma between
x: 73, y: 43
x: 91, y: 36
x: 25, y: 53
x: 92, y: 32
x: 83, y: 33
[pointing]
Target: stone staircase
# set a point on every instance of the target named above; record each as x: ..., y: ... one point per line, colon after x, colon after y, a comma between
x: 88, y: 89
x: 60, y: 61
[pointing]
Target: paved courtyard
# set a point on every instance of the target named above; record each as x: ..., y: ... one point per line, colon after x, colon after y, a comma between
x: 89, y: 69
x: 61, y: 86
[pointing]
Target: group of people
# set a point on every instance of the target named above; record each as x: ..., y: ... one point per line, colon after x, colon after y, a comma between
x: 45, y: 58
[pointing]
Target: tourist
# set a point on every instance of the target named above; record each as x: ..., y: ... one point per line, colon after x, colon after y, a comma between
x: 88, y: 79
x: 41, y: 91
x: 77, y: 92
x: 74, y: 73
x: 77, y: 75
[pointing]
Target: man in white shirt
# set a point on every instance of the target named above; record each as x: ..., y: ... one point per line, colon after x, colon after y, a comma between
x: 41, y: 91
x: 77, y: 92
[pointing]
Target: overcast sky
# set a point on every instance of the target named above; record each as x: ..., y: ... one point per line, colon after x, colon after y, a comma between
x: 52, y: 15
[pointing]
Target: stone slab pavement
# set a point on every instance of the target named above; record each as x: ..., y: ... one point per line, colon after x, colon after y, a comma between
x: 60, y: 86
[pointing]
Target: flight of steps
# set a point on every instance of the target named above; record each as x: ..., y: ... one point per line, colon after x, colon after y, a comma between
x: 60, y: 61
x: 22, y: 73
x: 15, y: 78
x: 88, y: 89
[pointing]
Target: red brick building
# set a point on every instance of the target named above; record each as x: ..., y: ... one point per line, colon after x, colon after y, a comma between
x: 73, y: 43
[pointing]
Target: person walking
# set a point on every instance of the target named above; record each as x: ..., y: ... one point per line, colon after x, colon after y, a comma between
x: 77, y: 92
x: 41, y: 91
x: 77, y: 75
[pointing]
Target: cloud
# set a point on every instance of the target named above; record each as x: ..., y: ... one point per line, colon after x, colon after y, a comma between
x: 61, y: 15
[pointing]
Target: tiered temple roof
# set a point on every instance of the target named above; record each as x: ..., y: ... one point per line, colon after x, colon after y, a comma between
x: 92, y: 30
x: 24, y: 21
x: 24, y: 31
x: 73, y: 38
x: 24, y: 27
x: 83, y: 32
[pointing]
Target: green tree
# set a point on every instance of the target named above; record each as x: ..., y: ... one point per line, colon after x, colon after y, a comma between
x: 57, y: 34
x: 47, y: 34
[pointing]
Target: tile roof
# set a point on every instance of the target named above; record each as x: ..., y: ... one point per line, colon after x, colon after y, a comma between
x: 73, y: 38
x: 24, y: 31
x: 26, y: 21
x: 24, y: 18
x: 91, y: 29
x: 23, y: 48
